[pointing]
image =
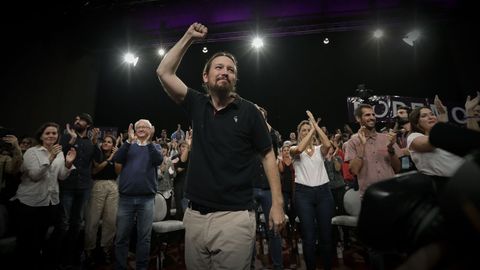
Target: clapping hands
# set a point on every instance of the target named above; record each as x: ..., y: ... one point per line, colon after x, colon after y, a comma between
x: 70, y: 157
x: 54, y: 150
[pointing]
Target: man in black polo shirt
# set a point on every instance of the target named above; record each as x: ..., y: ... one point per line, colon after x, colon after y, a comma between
x: 229, y: 132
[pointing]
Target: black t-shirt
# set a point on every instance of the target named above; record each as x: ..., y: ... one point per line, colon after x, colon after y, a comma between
x: 223, y: 159
x: 81, y: 177
x: 108, y: 172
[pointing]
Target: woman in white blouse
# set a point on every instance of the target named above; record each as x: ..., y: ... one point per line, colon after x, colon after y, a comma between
x: 435, y: 162
x: 314, y: 203
x: 37, y: 196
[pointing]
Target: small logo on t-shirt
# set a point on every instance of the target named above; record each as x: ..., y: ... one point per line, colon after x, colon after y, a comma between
x: 235, y: 118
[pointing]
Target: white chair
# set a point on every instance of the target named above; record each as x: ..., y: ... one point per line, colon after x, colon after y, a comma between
x: 352, y: 204
x: 161, y: 228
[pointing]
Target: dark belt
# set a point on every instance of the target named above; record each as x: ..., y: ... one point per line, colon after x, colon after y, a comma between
x: 202, y: 209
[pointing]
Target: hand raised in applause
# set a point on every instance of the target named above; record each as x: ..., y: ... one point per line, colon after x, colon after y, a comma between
x: 54, y: 150
x: 188, y: 138
x: 151, y: 135
x: 114, y: 150
x: 131, y: 134
x: 71, y: 132
x: 361, y: 135
x: 119, y: 140
x: 95, y: 134
x: 392, y: 138
x: 70, y: 157
x: 471, y: 103
x: 441, y: 109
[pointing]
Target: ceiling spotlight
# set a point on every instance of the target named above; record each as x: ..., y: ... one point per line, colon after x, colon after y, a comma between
x: 257, y: 43
x: 161, y: 52
x: 205, y: 50
x: 130, y: 59
x: 326, y: 41
x: 378, y: 33
x: 411, y: 37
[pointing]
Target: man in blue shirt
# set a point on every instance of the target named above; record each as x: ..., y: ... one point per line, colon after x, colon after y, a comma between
x: 179, y: 134
x: 137, y: 186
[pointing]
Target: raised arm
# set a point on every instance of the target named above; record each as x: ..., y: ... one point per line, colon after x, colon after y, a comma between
x: 166, y: 71
x: 302, y: 145
x: 421, y: 143
x: 321, y: 135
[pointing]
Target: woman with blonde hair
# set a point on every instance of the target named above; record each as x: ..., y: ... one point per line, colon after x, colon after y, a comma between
x: 314, y: 203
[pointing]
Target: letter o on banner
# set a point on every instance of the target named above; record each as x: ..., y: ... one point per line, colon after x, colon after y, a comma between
x: 455, y: 117
x: 381, y: 112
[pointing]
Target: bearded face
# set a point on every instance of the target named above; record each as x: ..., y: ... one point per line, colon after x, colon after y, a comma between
x: 221, y: 77
x: 80, y: 125
x: 368, y: 119
x: 222, y: 89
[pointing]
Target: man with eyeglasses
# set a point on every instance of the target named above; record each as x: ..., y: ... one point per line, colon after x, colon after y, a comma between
x: 137, y: 187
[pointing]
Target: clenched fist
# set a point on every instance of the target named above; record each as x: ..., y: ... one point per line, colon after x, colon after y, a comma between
x: 197, y: 31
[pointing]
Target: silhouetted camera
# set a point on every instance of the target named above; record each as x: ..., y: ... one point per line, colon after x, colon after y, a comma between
x: 406, y: 213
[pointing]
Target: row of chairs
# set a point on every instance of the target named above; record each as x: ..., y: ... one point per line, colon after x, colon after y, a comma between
x: 162, y: 229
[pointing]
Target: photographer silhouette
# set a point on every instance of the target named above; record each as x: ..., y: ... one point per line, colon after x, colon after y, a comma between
x: 435, y: 229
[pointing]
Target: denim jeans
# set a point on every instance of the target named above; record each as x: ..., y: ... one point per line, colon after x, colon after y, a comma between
x: 131, y: 210
x: 314, y: 207
x: 65, y: 238
x: 264, y: 197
